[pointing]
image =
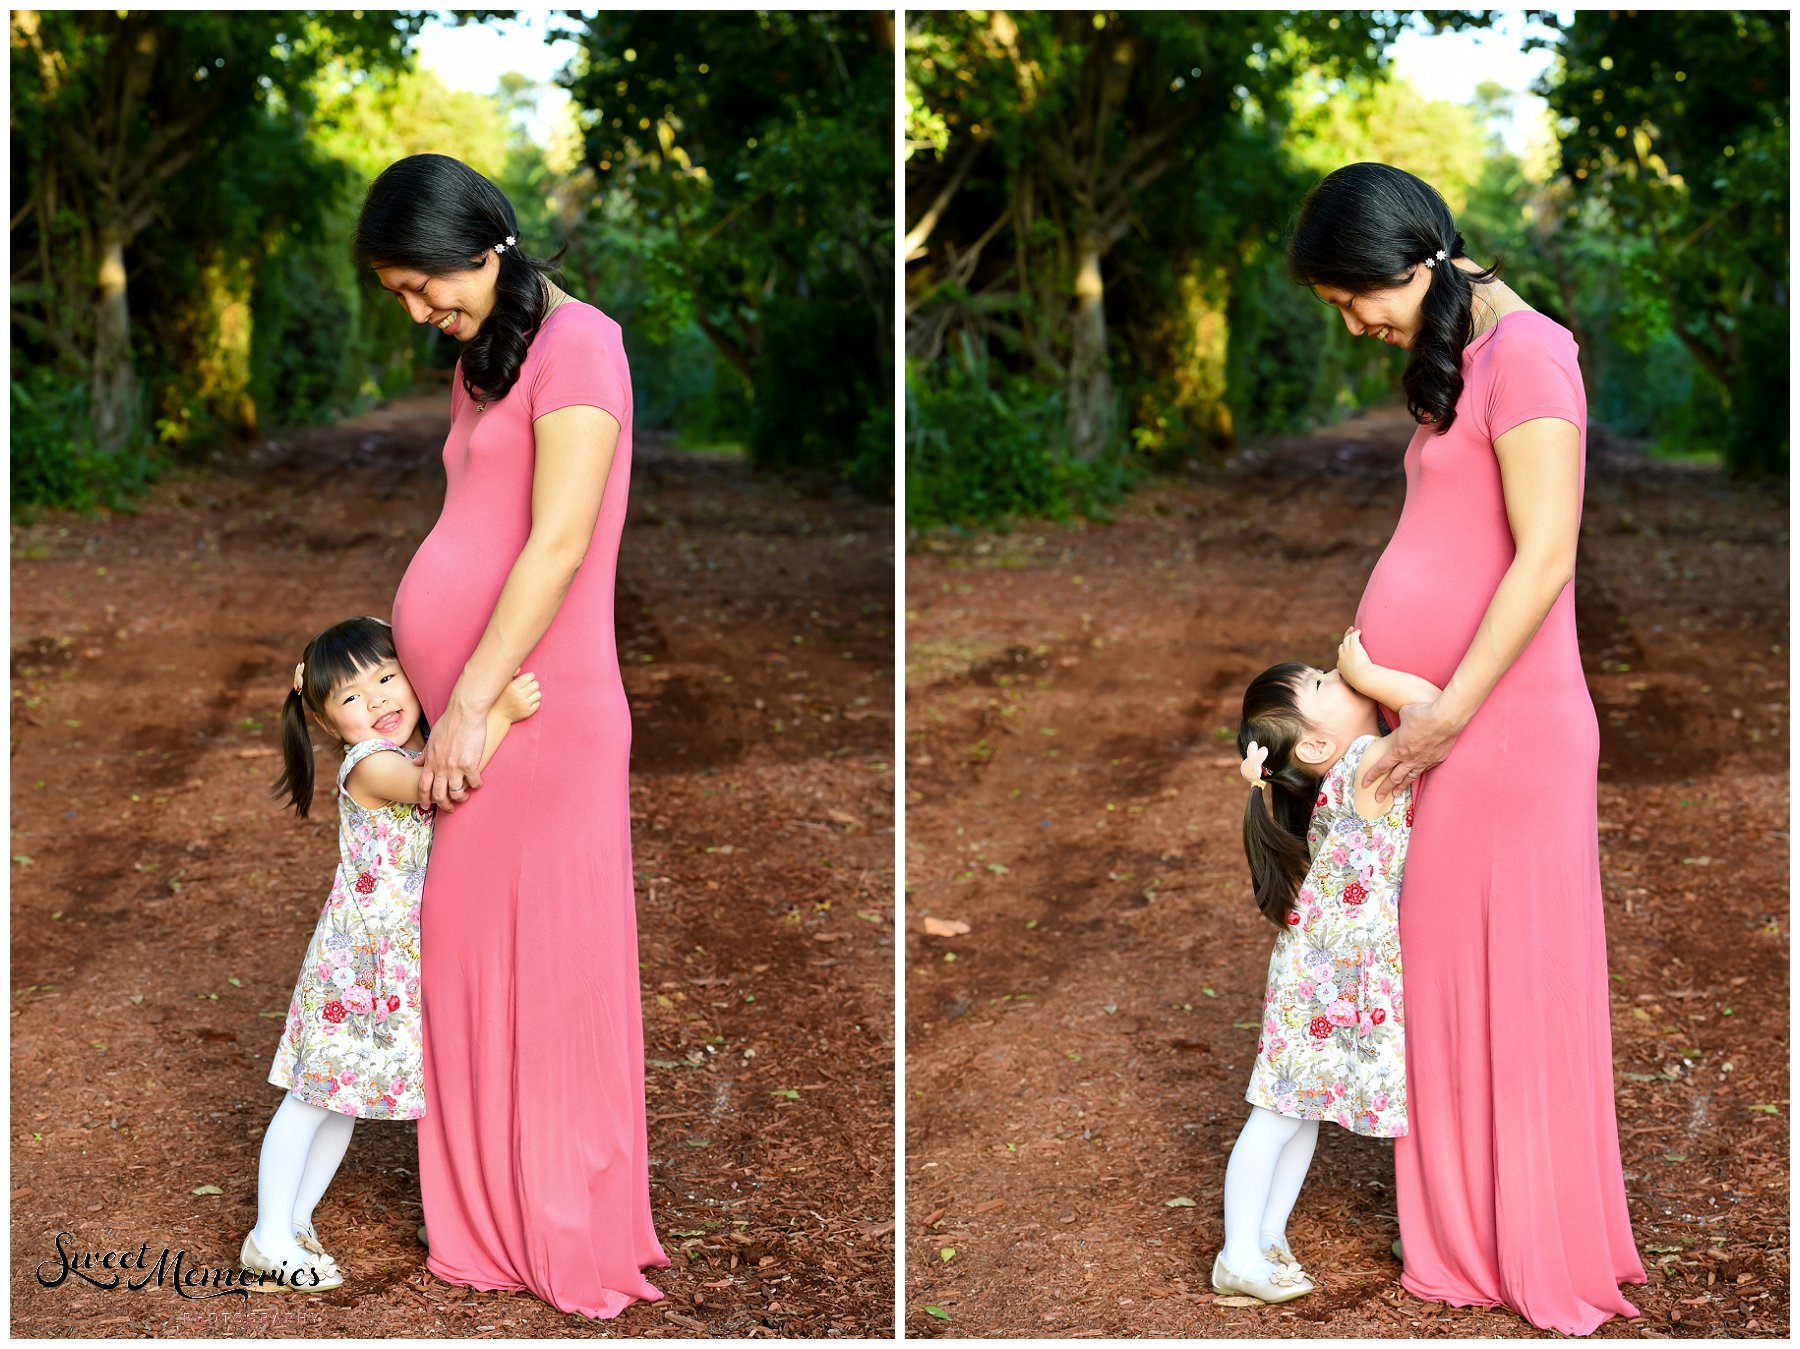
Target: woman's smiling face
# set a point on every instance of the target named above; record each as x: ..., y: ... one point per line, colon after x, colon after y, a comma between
x: 454, y: 303
x: 1390, y: 315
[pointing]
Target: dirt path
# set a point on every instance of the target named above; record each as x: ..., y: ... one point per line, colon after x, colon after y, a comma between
x: 160, y: 903
x: 1076, y: 1062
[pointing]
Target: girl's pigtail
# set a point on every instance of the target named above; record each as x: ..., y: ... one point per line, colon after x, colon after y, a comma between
x: 296, y: 781
x: 1278, y: 857
x: 1278, y: 813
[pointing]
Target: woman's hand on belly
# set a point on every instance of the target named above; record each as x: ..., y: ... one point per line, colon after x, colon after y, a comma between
x: 452, y: 765
x: 1425, y: 737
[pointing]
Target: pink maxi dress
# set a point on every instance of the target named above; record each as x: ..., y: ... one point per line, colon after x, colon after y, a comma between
x: 1511, y: 1191
x: 533, y: 1161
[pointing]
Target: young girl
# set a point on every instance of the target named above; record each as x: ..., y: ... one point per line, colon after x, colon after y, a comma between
x: 1326, y: 861
x: 352, y: 1047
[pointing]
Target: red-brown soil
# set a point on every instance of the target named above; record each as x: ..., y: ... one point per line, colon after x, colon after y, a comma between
x: 160, y: 902
x: 1076, y: 1062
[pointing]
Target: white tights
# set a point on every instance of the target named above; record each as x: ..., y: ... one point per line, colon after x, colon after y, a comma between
x: 300, y: 1155
x: 1262, y: 1180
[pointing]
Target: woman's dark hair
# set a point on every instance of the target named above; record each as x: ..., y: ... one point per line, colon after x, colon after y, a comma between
x: 1275, y: 828
x: 1367, y: 227
x: 437, y: 215
x: 331, y: 659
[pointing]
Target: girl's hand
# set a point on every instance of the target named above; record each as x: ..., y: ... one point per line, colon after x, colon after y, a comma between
x: 452, y: 764
x: 520, y: 698
x: 1353, y: 662
x: 1423, y: 741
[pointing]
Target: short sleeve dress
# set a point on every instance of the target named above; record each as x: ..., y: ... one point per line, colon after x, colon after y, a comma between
x: 534, y: 1160
x: 1333, y: 1042
x: 352, y: 1042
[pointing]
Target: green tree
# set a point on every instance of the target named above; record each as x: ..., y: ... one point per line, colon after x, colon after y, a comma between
x: 126, y: 123
x: 1675, y: 121
x: 1092, y: 127
x: 756, y: 149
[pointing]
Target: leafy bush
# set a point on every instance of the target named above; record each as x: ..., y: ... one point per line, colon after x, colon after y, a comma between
x: 55, y: 462
x: 977, y: 451
x: 817, y: 383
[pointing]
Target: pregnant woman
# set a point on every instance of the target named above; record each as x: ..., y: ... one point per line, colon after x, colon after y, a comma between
x: 532, y: 1156
x: 1510, y: 1186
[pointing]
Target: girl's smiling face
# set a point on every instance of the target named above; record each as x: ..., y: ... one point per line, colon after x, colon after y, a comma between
x: 377, y: 703
x: 455, y: 303
x: 1336, y: 713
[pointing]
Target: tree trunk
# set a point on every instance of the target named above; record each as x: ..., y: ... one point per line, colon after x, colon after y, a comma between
x: 114, y: 378
x: 1091, y: 403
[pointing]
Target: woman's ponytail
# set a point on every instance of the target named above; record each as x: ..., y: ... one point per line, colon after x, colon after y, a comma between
x: 1367, y: 228
x: 1276, y: 816
x: 1433, y: 377
x: 437, y: 215
x: 296, y: 781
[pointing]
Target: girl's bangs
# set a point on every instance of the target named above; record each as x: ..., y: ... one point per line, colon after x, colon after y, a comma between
x: 343, y: 652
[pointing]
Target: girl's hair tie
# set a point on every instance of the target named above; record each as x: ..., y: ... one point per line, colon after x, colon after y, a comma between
x: 299, y: 677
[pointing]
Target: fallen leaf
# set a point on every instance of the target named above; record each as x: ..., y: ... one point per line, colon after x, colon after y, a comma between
x: 945, y: 927
x: 938, y: 1312
x: 1183, y: 1202
x: 206, y: 1189
x: 947, y: 1254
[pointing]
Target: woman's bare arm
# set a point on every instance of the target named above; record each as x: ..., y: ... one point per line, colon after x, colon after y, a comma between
x: 575, y: 447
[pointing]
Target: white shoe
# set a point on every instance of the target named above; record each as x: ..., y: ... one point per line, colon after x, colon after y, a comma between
x: 1280, y: 1286
x: 251, y: 1257
x: 1278, y: 1254
x: 309, y: 1240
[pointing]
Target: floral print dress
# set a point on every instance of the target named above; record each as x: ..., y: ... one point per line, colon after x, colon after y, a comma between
x: 352, y: 1041
x: 1333, y: 1043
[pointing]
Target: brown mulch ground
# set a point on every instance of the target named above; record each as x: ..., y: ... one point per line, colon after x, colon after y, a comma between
x: 160, y: 902
x: 1076, y: 1062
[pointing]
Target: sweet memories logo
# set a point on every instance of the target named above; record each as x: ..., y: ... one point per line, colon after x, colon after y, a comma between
x: 137, y: 1270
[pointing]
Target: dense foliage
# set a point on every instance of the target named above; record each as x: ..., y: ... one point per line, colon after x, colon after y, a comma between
x: 1675, y: 143
x: 767, y: 183
x: 185, y: 184
x: 1097, y: 203
x: 159, y: 159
